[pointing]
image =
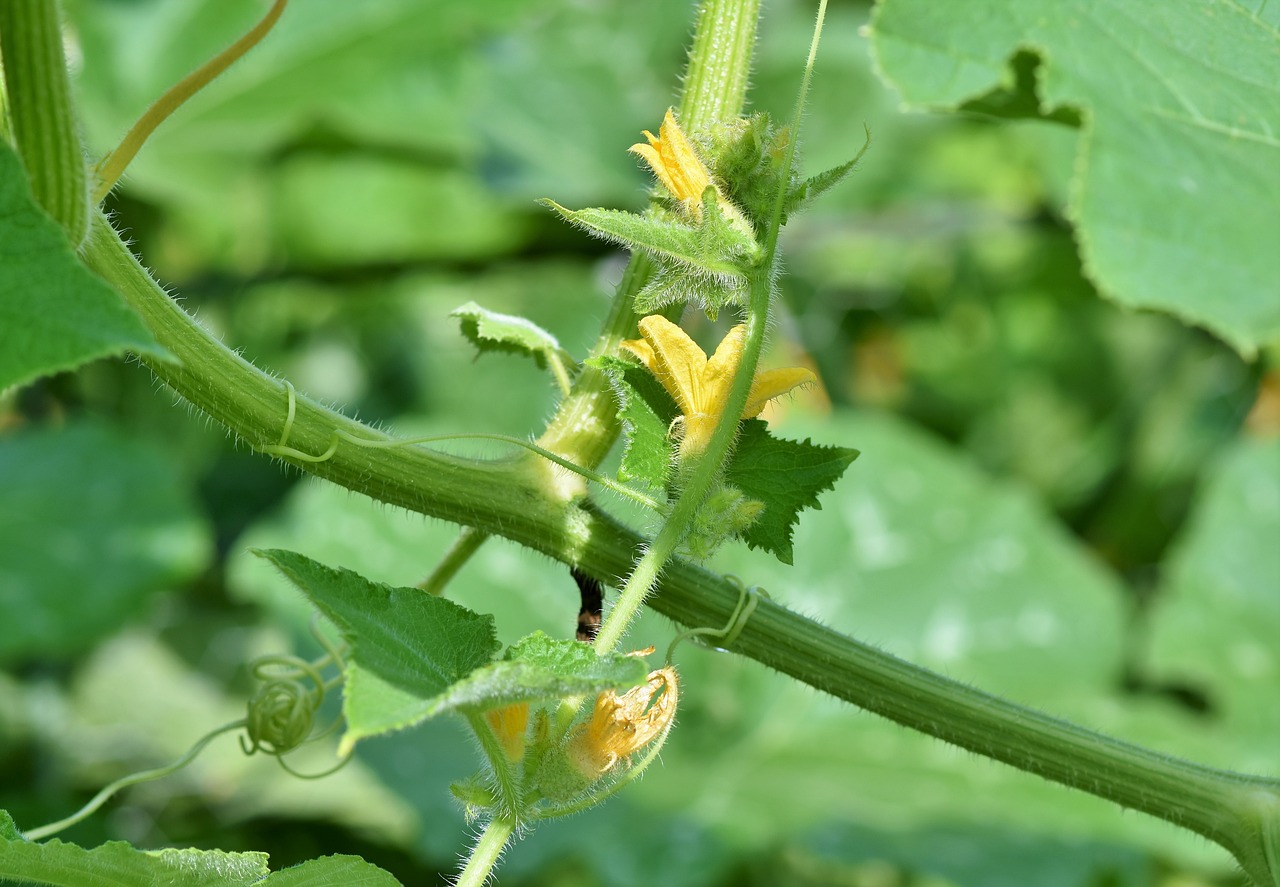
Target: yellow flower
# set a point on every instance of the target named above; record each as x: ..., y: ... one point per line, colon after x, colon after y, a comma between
x: 671, y: 157
x: 700, y: 387
x: 509, y: 724
x: 622, y: 725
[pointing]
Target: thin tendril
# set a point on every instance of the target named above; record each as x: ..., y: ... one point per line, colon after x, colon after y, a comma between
x: 748, y: 600
x: 114, y: 164
x: 282, y: 450
x: 45, y: 831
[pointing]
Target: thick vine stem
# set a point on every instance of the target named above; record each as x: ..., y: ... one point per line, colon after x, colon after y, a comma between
x: 39, y: 99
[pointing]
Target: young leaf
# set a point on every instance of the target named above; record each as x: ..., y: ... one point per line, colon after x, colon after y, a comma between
x: 491, y: 331
x: 407, y: 646
x: 538, y: 668
x: 54, y: 314
x: 332, y: 871
x: 645, y: 412
x: 785, y: 475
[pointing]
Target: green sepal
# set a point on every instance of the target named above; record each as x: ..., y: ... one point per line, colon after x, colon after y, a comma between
x: 645, y: 412
x: 508, y: 333
x: 749, y: 157
x: 787, y: 476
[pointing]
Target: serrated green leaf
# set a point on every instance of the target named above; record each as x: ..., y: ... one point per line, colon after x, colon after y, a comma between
x: 539, y: 668
x: 117, y: 863
x: 1174, y: 195
x: 54, y: 314
x: 785, y: 475
x: 332, y: 871
x: 645, y: 412
x: 94, y: 523
x: 490, y: 331
x: 407, y: 646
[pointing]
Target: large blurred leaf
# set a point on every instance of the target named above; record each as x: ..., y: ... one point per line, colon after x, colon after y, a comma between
x: 54, y: 314
x: 1216, y: 622
x: 94, y: 523
x: 921, y: 554
x: 1174, y: 197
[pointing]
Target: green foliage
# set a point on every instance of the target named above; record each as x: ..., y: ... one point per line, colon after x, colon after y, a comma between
x: 1030, y: 450
x: 95, y: 523
x: 1172, y: 198
x: 1214, y: 625
x: 60, y: 864
x: 54, y: 315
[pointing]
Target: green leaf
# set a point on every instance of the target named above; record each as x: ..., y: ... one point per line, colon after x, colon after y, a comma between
x: 1174, y: 196
x: 490, y: 331
x: 407, y: 646
x: 94, y: 523
x: 332, y: 871
x: 1216, y: 619
x: 645, y: 412
x: 118, y: 863
x: 785, y: 475
x: 54, y: 314
x: 540, y: 668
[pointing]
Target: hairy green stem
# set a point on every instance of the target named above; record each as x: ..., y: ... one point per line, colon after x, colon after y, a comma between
x: 468, y: 543
x: 39, y: 104
x: 484, y: 856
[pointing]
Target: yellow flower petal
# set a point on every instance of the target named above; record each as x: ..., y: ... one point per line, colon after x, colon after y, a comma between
x: 674, y: 161
x: 678, y: 362
x: 775, y: 383
x: 622, y: 725
x: 700, y: 387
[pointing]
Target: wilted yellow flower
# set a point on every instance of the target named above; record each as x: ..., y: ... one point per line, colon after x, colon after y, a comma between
x: 700, y: 387
x: 509, y: 724
x: 673, y: 160
x: 622, y: 725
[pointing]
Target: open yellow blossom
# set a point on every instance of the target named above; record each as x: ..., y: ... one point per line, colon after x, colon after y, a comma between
x: 700, y: 386
x: 671, y: 156
x: 622, y: 725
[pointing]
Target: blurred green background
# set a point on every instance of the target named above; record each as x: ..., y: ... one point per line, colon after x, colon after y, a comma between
x: 1059, y: 500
